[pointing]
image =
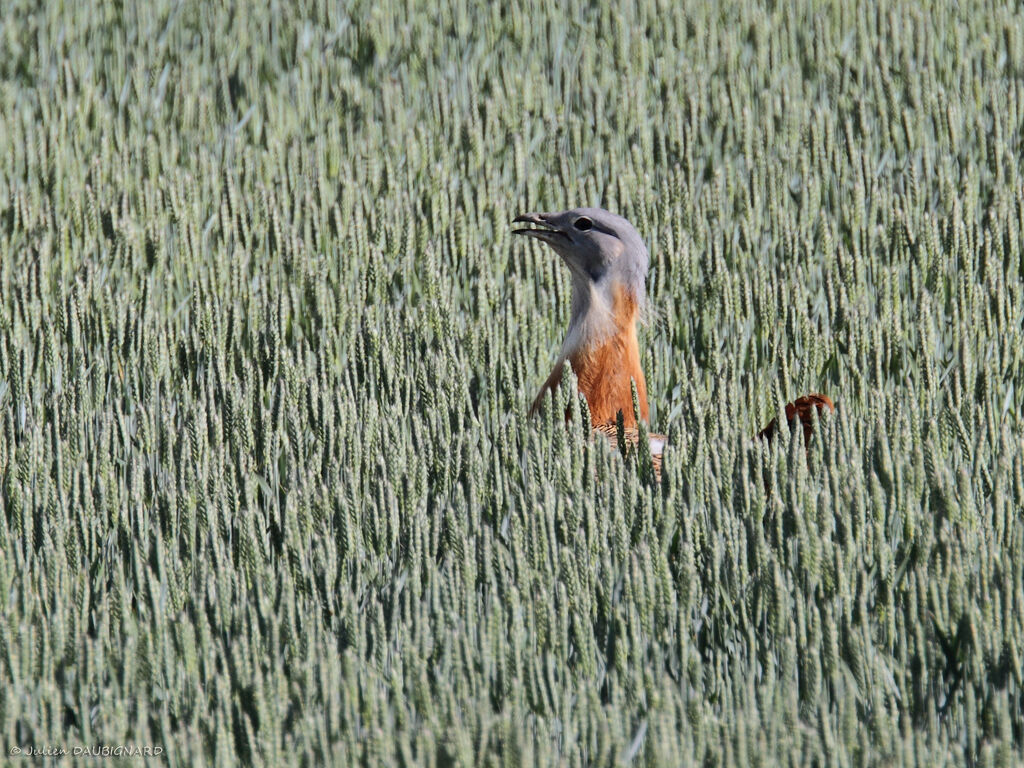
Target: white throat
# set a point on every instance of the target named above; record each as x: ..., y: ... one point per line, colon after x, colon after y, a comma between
x: 592, y: 320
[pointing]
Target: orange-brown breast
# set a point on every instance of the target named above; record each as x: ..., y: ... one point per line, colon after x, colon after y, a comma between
x: 604, y: 373
x: 605, y: 367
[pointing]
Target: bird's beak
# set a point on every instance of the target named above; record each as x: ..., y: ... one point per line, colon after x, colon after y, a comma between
x: 549, y: 233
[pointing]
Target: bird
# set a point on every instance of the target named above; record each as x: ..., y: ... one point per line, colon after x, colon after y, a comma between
x: 800, y: 409
x: 608, y: 261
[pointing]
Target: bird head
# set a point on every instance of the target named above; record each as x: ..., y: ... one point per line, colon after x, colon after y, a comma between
x: 602, y: 250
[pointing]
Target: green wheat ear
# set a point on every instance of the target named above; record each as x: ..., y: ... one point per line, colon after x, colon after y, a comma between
x: 620, y: 434
x: 643, y: 447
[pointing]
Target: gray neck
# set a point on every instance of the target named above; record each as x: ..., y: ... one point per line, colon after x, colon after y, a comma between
x: 591, y: 319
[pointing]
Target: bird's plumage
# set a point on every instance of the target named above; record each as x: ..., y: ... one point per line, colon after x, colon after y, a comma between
x: 604, y: 364
x: 608, y: 262
x: 801, y: 409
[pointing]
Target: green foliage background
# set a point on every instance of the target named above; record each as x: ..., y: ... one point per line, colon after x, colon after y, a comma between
x: 268, y: 493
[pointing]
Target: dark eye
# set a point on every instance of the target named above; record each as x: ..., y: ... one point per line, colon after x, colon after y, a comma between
x: 583, y: 224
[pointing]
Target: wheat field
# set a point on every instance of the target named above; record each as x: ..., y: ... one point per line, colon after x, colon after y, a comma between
x: 269, y: 494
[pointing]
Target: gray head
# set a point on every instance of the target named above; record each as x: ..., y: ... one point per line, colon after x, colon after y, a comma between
x: 601, y: 249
